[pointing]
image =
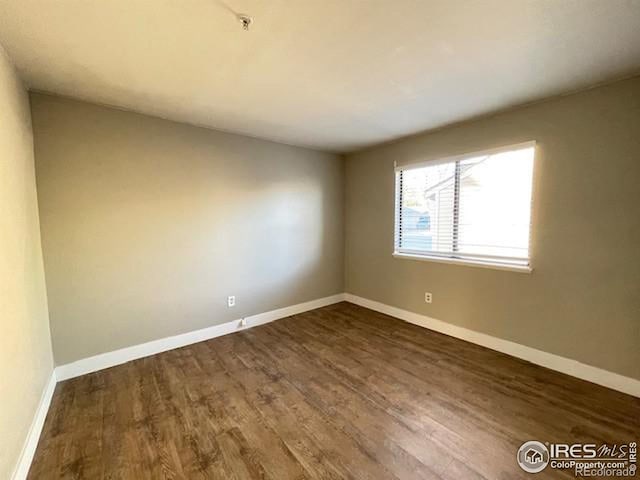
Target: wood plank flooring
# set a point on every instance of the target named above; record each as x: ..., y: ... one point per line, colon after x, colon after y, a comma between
x: 336, y: 393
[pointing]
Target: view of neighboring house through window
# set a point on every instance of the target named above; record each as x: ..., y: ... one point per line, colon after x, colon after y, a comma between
x: 475, y: 207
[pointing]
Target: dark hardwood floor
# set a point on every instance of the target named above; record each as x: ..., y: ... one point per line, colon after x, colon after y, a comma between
x: 339, y: 392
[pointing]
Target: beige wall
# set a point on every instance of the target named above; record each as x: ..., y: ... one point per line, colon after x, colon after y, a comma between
x: 148, y: 225
x: 583, y: 299
x: 25, y: 347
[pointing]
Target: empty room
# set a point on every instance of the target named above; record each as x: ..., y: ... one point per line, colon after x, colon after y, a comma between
x: 319, y: 239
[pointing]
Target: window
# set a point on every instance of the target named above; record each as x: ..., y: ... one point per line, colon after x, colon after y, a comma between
x: 474, y: 208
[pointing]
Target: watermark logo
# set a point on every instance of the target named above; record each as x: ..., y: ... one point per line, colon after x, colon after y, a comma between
x: 533, y: 456
x: 585, y: 459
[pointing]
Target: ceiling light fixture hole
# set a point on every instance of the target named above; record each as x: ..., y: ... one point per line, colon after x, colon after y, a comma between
x: 245, y: 20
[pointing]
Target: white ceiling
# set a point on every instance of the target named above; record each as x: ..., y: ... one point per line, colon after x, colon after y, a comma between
x: 329, y: 74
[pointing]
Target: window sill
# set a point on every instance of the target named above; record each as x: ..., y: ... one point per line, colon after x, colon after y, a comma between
x: 460, y: 261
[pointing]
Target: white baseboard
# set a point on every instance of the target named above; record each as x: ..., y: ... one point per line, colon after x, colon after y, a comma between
x: 29, y: 449
x: 98, y: 362
x: 117, y: 357
x: 554, y: 362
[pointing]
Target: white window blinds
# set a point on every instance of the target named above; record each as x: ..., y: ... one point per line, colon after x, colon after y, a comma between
x: 475, y: 207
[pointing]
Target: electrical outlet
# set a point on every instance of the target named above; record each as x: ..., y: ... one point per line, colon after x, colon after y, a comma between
x: 428, y: 298
x: 231, y: 301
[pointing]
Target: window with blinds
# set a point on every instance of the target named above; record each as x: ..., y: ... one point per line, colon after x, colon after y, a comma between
x: 473, y: 208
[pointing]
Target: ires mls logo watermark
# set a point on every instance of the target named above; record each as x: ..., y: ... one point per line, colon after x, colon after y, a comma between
x: 533, y: 456
x: 585, y: 459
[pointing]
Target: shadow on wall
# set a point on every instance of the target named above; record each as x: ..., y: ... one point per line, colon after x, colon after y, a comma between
x: 280, y: 228
x: 165, y: 266
x: 148, y: 225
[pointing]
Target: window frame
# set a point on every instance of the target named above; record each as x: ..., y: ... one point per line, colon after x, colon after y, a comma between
x: 475, y: 260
